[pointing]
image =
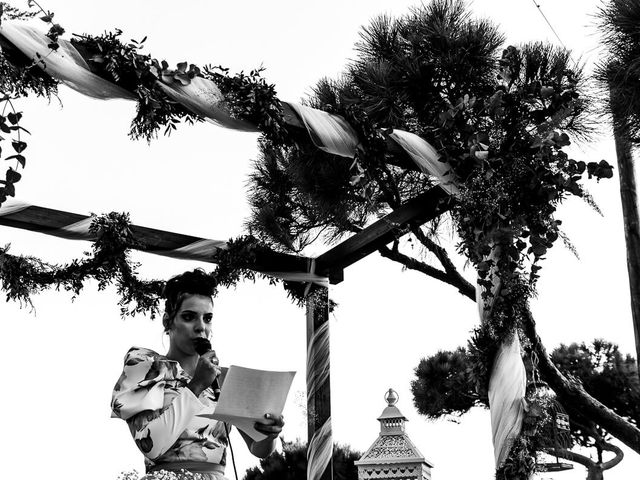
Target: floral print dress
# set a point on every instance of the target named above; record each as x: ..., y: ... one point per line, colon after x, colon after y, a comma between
x: 152, y: 396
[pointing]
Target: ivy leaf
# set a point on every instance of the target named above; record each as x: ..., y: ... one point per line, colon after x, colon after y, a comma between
x: 599, y: 170
x: 18, y: 146
x: 12, y: 176
x: 9, y: 190
x: 47, y: 18
x: 14, y: 118
x: 21, y: 160
x: 56, y: 30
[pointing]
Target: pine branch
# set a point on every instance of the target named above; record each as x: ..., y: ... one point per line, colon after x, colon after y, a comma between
x: 465, y: 288
x: 444, y: 259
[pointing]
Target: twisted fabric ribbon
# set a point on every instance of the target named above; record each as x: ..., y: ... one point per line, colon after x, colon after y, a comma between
x: 426, y: 158
x: 320, y: 451
x: 64, y: 64
x: 201, y: 96
x: 508, y: 381
x: 318, y: 359
x: 320, y: 447
x: 507, y: 388
x: 201, y: 249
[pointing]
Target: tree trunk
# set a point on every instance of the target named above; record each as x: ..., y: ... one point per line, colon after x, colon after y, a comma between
x: 629, y: 199
x: 573, y: 396
x: 595, y: 472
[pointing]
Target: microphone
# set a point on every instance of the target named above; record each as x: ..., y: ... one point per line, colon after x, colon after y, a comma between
x: 202, y: 346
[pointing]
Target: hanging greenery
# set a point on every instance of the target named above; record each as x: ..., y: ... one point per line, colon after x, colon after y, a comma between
x: 19, y: 77
x: 108, y: 263
x: 246, y: 97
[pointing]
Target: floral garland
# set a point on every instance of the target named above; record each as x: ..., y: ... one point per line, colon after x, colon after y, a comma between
x: 247, y: 97
x: 108, y: 262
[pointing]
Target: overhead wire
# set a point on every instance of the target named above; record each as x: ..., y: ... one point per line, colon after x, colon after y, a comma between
x: 549, y: 23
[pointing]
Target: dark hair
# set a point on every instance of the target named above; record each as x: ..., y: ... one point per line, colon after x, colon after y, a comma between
x: 196, y: 282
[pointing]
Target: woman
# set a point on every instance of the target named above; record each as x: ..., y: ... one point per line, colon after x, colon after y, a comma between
x: 161, y: 396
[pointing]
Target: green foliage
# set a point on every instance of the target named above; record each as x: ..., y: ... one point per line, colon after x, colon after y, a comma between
x: 251, y: 98
x: 521, y: 462
x: 606, y: 374
x: 108, y: 263
x: 247, y: 97
x: 444, y: 385
x: 448, y: 383
x: 19, y: 76
x: 291, y: 464
x: 499, y: 121
x: 125, y: 65
x: 299, y: 191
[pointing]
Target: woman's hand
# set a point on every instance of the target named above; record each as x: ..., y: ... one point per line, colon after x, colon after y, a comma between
x: 207, y: 370
x: 271, y: 426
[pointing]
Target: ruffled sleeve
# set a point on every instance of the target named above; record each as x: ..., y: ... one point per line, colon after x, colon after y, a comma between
x: 155, y: 403
x: 142, y: 383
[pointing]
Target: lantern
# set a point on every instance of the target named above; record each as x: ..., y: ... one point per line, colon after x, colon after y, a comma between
x: 554, y: 433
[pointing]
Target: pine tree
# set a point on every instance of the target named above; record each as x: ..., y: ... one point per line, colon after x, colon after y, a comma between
x: 499, y: 117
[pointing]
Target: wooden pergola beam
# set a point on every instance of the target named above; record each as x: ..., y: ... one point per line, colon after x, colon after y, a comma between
x: 159, y: 242
x: 397, y: 156
x: 423, y: 208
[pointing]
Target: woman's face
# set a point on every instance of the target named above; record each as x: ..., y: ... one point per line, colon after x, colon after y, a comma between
x: 193, y: 319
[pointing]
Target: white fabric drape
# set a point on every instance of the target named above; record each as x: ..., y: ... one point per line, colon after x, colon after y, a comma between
x: 203, y: 97
x: 426, y: 158
x: 201, y: 250
x: 508, y: 381
x: 319, y: 451
x: 11, y: 206
x: 318, y: 359
x: 64, y: 64
x: 328, y: 132
x: 506, y: 397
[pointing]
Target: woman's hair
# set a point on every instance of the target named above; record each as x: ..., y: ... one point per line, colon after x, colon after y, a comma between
x: 196, y: 282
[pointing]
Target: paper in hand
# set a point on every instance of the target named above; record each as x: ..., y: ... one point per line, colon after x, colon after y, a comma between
x: 247, y: 394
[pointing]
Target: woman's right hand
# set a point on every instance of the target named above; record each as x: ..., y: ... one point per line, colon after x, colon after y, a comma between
x: 207, y: 370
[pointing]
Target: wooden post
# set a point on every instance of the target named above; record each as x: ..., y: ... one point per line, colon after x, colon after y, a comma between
x: 320, y: 443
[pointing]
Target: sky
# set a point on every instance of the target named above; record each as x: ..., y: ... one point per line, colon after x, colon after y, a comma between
x: 57, y: 389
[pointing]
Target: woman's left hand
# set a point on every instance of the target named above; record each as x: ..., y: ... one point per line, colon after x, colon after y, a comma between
x: 271, y: 426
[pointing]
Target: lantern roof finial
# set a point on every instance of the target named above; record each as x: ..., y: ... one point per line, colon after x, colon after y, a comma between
x: 391, y: 397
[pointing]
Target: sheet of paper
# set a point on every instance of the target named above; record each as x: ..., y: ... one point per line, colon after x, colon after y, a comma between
x: 247, y: 394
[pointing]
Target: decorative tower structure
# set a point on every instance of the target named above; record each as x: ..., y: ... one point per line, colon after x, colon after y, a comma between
x: 393, y: 455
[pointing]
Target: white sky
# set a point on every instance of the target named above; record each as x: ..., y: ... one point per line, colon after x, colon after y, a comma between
x: 57, y: 386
